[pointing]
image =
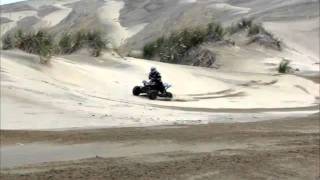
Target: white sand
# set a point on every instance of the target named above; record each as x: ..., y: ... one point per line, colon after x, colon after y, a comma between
x: 38, y: 3
x: 7, y: 27
x: 228, y: 7
x: 187, y: 1
x: 55, y: 17
x: 15, y: 17
x: 49, y: 20
x: 302, y: 38
x: 302, y: 35
x: 68, y: 94
x: 109, y: 15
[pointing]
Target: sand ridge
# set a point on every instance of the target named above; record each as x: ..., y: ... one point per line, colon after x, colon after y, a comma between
x: 97, y: 91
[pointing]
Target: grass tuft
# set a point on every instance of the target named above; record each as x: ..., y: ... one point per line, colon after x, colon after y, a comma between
x: 284, y: 66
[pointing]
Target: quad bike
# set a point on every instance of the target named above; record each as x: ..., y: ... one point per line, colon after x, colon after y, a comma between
x: 151, y: 90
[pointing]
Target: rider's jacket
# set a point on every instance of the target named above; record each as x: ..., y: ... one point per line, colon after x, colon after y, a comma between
x: 154, y: 76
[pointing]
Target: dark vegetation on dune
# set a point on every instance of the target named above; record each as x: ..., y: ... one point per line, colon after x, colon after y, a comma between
x: 284, y: 66
x: 43, y: 44
x: 173, y: 48
x: 176, y: 47
x: 256, y: 32
x: 180, y: 47
x: 40, y: 43
x: 70, y: 43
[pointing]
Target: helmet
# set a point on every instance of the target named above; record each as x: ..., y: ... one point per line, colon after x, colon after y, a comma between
x: 153, y: 69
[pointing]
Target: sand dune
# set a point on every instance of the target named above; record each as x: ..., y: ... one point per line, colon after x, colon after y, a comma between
x: 133, y: 23
x: 55, y: 17
x: 96, y: 92
x: 76, y: 117
x: 109, y: 15
x: 14, y: 17
x: 91, y: 95
x: 297, y: 35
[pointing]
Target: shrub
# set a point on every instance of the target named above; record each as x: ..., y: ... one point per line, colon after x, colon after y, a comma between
x: 95, y: 43
x: 149, y: 50
x: 255, y: 29
x: 239, y: 26
x: 174, y: 47
x: 19, y: 36
x: 7, y: 42
x: 284, y: 66
x: 35, y: 43
x: 22, y: 40
x: 260, y: 35
x: 79, y: 39
x: 245, y: 23
x: 65, y: 44
x: 198, y: 36
x: 215, y: 32
x: 40, y: 43
x: 93, y: 40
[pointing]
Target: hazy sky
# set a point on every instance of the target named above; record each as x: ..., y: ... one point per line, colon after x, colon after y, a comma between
x: 8, y: 1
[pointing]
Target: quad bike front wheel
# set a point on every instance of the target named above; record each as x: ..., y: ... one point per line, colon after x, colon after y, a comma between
x: 152, y: 95
x: 169, y: 95
x: 136, y: 91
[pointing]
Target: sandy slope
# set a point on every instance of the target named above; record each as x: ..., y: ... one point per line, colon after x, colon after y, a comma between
x: 54, y: 18
x: 109, y: 15
x: 297, y: 35
x: 93, y: 92
x: 14, y: 17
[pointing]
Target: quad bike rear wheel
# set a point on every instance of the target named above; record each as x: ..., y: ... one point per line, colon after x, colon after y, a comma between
x: 136, y: 91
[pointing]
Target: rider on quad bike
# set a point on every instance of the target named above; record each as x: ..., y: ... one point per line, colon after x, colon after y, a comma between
x: 153, y: 89
x: 155, y: 77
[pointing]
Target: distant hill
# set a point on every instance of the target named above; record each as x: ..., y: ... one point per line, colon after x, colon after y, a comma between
x: 130, y: 24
